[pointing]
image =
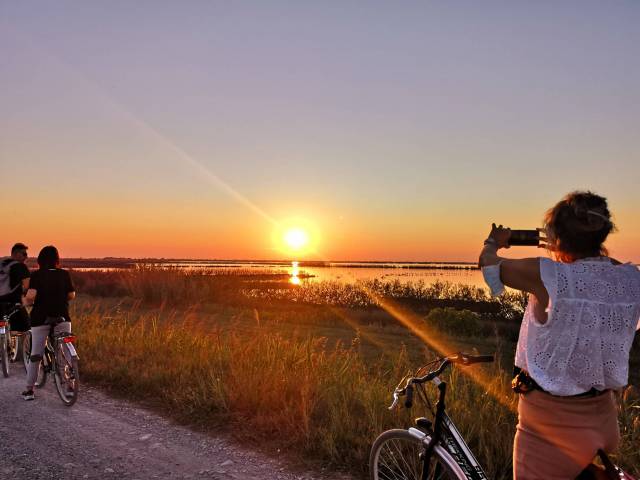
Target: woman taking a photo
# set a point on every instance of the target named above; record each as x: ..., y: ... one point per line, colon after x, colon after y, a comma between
x: 49, y: 291
x: 575, y: 337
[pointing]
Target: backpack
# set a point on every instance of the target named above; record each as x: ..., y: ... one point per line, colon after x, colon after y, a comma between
x: 5, y: 279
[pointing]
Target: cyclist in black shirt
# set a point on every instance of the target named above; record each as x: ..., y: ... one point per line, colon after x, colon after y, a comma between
x: 50, y: 290
x: 14, y: 282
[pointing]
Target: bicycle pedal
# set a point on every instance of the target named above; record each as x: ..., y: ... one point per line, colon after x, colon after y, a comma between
x: 424, y: 423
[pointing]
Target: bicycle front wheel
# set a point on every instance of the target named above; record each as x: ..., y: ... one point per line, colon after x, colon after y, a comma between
x: 41, y: 378
x: 15, y: 347
x: 397, y: 455
x: 66, y: 374
x: 4, y: 355
x: 26, y: 349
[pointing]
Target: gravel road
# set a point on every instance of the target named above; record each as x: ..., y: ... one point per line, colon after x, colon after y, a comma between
x: 105, y: 438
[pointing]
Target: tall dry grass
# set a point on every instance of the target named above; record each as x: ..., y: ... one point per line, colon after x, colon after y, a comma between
x: 322, y: 398
x: 176, y: 286
x: 325, y: 402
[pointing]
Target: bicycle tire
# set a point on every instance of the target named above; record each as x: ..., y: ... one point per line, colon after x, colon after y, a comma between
x: 395, y: 455
x: 26, y: 350
x: 4, y: 355
x: 16, y: 348
x: 66, y: 375
x: 41, y: 378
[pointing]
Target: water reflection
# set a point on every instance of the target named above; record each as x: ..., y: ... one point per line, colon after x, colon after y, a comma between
x: 295, y: 272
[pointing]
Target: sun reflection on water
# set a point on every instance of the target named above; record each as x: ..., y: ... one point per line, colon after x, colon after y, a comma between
x: 295, y: 272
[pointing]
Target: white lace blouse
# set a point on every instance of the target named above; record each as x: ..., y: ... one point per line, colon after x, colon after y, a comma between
x: 593, y: 314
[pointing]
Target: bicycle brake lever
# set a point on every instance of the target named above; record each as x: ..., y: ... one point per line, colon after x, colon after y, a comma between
x: 396, y: 397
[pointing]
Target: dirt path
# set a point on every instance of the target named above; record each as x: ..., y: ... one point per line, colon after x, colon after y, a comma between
x: 102, y: 438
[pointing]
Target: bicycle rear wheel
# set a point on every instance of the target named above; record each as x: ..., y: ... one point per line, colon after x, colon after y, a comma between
x: 396, y: 455
x: 4, y: 355
x: 66, y: 374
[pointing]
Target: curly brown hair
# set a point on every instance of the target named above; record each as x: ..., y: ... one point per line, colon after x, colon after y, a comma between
x: 578, y: 225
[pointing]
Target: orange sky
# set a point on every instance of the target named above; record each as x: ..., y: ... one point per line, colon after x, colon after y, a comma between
x: 154, y: 232
x: 391, y: 134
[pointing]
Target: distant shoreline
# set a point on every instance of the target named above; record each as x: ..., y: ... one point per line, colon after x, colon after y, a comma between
x: 113, y: 262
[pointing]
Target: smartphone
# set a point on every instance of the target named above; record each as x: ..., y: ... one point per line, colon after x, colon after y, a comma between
x: 524, y: 238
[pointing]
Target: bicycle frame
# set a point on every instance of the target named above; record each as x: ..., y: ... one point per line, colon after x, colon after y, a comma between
x: 442, y: 432
x: 446, y: 434
x: 48, y: 356
x: 53, y: 340
x: 51, y: 343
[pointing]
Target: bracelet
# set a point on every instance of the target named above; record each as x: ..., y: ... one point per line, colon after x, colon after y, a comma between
x: 491, y: 241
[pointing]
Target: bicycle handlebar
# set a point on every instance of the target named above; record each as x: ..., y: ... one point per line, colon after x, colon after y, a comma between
x: 11, y: 308
x: 460, y: 358
x: 408, y: 402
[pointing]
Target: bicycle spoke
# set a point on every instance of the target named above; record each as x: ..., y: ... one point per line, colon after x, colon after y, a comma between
x: 392, y: 456
x: 389, y: 470
x: 388, y: 473
x: 398, y: 470
x: 396, y: 455
x: 404, y: 459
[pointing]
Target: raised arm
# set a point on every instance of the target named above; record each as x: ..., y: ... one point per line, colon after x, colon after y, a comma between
x: 520, y: 274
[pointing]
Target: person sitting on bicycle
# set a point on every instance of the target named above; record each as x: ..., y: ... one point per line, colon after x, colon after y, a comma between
x: 49, y: 291
x: 575, y: 337
x: 14, y: 283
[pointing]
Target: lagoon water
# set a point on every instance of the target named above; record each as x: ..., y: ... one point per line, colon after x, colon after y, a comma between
x: 350, y: 272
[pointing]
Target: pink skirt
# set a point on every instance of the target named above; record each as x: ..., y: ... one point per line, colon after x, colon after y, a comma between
x: 556, y: 437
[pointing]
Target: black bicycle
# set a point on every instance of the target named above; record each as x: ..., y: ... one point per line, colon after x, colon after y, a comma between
x: 60, y: 358
x: 434, y: 449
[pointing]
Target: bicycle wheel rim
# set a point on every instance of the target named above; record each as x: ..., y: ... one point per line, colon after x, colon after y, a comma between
x: 395, y: 455
x: 66, y: 376
x: 16, y: 348
x: 4, y: 345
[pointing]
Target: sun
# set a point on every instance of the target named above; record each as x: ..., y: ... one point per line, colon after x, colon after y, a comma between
x: 296, y: 238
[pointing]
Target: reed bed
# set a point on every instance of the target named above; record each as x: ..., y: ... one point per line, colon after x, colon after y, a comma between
x: 252, y: 287
x: 175, y: 286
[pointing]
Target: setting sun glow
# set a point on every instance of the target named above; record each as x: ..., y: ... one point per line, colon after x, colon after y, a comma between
x: 296, y: 238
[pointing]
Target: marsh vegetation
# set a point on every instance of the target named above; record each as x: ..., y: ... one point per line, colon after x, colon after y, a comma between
x: 307, y: 368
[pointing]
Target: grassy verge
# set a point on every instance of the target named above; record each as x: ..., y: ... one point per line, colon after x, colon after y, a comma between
x: 321, y: 392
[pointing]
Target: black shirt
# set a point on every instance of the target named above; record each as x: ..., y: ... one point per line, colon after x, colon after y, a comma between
x: 17, y: 272
x: 52, y: 287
